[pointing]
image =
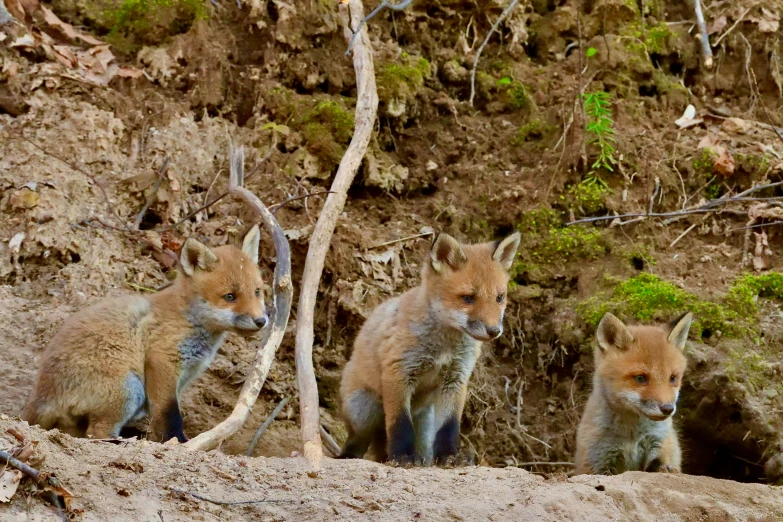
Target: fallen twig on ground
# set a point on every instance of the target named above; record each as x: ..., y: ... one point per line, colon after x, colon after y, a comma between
x: 230, y: 502
x: 331, y: 444
x: 366, y: 111
x: 278, y: 206
x: 734, y: 26
x: 261, y: 429
x: 494, y: 28
x: 685, y: 233
x: 400, y: 240
x: 280, y: 310
x: 521, y: 464
x: 385, y: 4
x: 45, y: 481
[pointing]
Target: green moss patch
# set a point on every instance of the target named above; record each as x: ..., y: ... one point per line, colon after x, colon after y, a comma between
x: 133, y: 23
x: 647, y: 297
x: 402, y: 79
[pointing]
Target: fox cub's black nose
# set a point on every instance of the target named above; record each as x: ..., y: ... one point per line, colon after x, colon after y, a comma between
x: 666, y: 409
x: 261, y: 321
x: 494, y: 331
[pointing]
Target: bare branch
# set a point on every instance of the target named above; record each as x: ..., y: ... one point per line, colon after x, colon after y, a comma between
x: 281, y: 308
x: 153, y: 195
x: 229, y: 502
x: 46, y: 481
x: 706, y: 50
x: 331, y: 444
x: 366, y: 111
x: 385, y: 4
x: 502, y: 16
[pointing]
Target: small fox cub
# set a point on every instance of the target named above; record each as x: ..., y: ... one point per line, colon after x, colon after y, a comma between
x: 404, y: 388
x: 125, y: 358
x: 627, y: 423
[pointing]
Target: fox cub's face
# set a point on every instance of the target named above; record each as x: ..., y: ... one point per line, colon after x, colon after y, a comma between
x: 641, y: 367
x: 467, y: 284
x: 226, y: 281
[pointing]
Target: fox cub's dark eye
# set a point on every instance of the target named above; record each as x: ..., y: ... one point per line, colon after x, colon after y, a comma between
x: 641, y: 379
x: 500, y: 298
x: 673, y: 379
x: 258, y: 292
x: 468, y: 299
x: 230, y: 298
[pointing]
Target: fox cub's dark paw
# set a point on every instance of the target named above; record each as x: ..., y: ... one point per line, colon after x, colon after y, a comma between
x: 461, y: 460
x: 401, y: 461
x: 665, y: 468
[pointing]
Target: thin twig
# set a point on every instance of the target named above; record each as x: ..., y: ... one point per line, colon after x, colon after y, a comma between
x: 331, y: 444
x: 400, y: 240
x: 250, y: 174
x: 229, y: 502
x: 500, y: 19
x: 710, y: 206
x: 278, y: 206
x: 385, y: 4
x: 742, y: 16
x: 759, y: 225
x: 655, y: 194
x: 682, y: 235
x: 261, y: 429
x: 153, y: 195
x: 45, y: 481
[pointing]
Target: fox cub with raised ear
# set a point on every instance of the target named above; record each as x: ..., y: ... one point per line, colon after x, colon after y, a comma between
x: 627, y: 423
x: 404, y: 388
x: 125, y: 358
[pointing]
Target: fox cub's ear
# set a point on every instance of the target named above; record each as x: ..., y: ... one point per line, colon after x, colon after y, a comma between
x: 679, y: 328
x: 250, y: 244
x: 506, y: 249
x: 446, y: 251
x: 612, y: 333
x: 196, y: 255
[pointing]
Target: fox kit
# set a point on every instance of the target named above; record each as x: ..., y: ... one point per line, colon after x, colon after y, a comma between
x: 627, y: 423
x: 405, y: 385
x: 125, y: 358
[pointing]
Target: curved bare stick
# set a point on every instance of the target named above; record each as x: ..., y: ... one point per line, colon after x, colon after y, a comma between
x: 366, y: 110
x: 281, y: 308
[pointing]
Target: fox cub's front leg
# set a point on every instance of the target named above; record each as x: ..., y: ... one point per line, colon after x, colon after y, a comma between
x: 162, y: 376
x: 399, y: 422
x: 448, y: 414
x: 669, y: 458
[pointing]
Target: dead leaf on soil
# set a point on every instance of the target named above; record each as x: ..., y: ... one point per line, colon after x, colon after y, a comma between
x: 16, y: 242
x: 66, y: 29
x: 24, y: 199
x: 762, y: 253
x: 9, y: 482
x: 717, y: 25
x: 768, y: 22
x: 735, y: 126
x: 725, y: 163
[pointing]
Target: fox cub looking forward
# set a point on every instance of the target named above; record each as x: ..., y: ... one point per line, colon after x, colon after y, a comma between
x: 124, y: 358
x: 627, y: 423
x: 405, y: 385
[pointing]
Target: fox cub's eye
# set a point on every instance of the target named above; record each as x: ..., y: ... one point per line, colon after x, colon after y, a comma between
x: 468, y: 299
x: 641, y: 379
x: 230, y: 298
x: 258, y: 292
x: 500, y: 298
x: 673, y: 379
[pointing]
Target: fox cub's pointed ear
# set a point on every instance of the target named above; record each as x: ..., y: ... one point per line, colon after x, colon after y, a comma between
x: 612, y: 333
x: 506, y: 249
x: 446, y: 251
x: 250, y: 244
x: 196, y: 255
x: 679, y: 328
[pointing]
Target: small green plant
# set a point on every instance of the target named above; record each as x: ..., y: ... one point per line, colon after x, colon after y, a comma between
x: 137, y: 22
x: 601, y: 126
x: 591, y: 51
x: 588, y: 195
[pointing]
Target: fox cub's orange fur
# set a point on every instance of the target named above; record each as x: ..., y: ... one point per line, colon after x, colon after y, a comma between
x: 405, y: 385
x: 125, y: 358
x: 627, y: 423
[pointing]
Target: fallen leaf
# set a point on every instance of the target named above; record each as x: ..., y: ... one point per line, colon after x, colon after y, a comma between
x: 724, y: 164
x: 129, y: 72
x: 760, y: 259
x: 66, y: 28
x: 9, y: 482
x: 687, y: 116
x: 24, y: 41
x: 709, y: 142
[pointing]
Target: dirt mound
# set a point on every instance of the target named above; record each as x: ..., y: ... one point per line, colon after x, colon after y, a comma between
x: 136, y: 481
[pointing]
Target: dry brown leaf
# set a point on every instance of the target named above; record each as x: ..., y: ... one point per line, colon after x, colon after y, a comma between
x: 760, y: 257
x: 67, y: 29
x: 725, y: 163
x: 735, y: 125
x: 129, y: 72
x: 24, y: 199
x: 65, y: 55
x: 9, y: 482
x: 717, y: 25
